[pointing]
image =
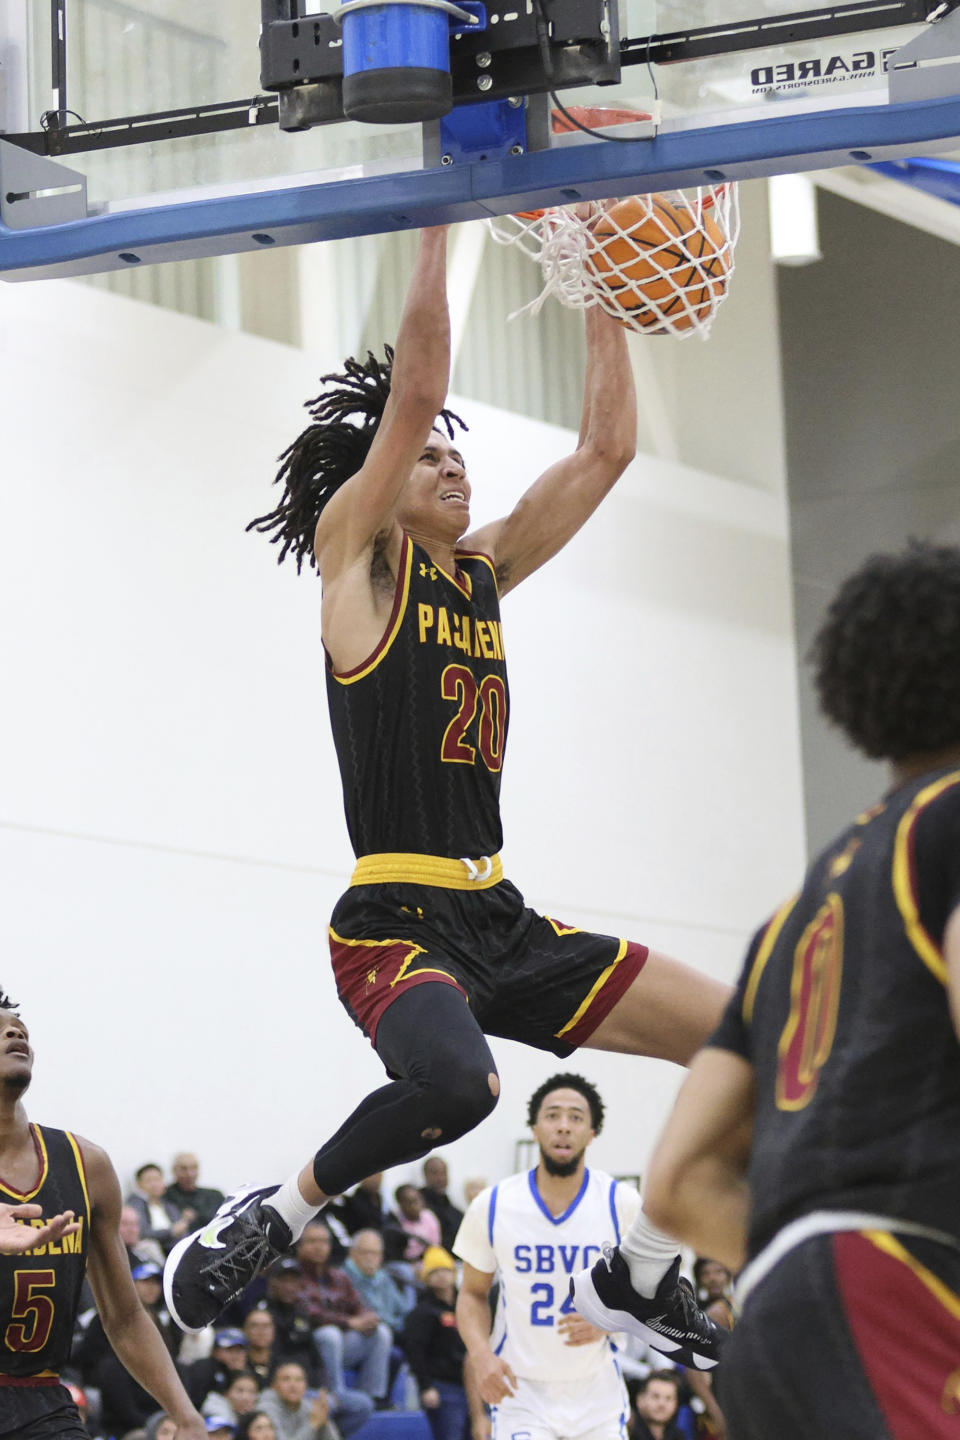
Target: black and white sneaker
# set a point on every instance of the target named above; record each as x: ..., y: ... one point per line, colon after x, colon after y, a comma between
x: 671, y: 1322
x: 208, y: 1269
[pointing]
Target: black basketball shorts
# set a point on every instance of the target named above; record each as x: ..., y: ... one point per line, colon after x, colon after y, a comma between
x: 526, y: 976
x: 853, y: 1334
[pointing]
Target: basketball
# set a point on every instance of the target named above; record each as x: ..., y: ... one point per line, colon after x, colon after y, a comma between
x: 664, y: 265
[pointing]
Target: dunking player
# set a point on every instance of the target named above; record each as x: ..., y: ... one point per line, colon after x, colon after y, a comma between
x: 42, y: 1265
x: 817, y: 1134
x: 549, y: 1373
x: 431, y: 950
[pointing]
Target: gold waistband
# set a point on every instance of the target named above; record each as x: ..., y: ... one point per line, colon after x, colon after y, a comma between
x: 401, y: 869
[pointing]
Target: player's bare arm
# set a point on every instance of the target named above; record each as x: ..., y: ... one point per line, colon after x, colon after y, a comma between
x: 565, y: 496
x: 358, y: 537
x: 494, y: 1378
x: 480, y: 1426
x: 697, y: 1183
x: 15, y: 1237
x: 132, y: 1334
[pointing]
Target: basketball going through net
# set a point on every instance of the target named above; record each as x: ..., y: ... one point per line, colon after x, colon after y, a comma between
x: 660, y: 264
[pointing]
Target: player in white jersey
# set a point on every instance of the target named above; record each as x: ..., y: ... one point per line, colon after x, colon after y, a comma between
x: 546, y: 1372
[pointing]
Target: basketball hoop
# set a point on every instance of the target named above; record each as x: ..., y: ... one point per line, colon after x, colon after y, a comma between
x: 661, y: 264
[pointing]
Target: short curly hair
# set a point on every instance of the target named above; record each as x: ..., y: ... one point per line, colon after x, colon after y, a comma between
x: 566, y: 1081
x: 887, y: 657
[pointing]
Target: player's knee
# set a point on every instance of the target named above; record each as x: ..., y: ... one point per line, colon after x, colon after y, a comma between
x: 463, y: 1099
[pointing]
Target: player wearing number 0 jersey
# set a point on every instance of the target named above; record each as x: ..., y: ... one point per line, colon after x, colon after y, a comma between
x: 59, y: 1219
x: 432, y: 948
x: 816, y: 1136
x: 545, y: 1371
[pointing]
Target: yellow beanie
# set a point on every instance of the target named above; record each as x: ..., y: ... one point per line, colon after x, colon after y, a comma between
x: 436, y: 1258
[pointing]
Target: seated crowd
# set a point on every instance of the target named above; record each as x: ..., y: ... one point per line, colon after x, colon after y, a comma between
x: 356, y: 1319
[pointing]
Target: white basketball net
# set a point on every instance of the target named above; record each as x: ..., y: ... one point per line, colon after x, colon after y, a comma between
x: 660, y: 265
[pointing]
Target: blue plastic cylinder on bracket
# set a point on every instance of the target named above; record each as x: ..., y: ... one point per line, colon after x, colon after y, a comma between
x: 396, y: 57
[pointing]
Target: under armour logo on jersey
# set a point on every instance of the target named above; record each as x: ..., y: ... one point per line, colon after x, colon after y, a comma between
x: 426, y: 570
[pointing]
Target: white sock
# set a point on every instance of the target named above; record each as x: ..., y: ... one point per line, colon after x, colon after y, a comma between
x: 291, y: 1206
x: 649, y: 1253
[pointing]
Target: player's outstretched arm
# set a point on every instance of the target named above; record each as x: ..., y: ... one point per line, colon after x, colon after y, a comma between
x: 696, y: 1187
x: 557, y: 504
x: 494, y: 1378
x: 15, y: 1238
x: 363, y: 507
x: 134, y: 1337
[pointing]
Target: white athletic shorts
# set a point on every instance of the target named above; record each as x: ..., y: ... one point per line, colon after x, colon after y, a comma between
x: 592, y: 1408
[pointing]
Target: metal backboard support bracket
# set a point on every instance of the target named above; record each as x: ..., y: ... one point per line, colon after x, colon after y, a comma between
x: 929, y: 66
x: 36, y: 191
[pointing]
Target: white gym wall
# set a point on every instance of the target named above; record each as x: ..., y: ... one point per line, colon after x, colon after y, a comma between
x: 172, y: 837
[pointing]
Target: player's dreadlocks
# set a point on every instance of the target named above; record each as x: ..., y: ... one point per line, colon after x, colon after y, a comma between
x: 7, y: 1004
x: 885, y: 658
x: 329, y: 451
x: 568, y: 1081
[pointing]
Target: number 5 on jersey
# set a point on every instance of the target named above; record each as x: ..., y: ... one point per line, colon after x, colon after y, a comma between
x: 31, y: 1312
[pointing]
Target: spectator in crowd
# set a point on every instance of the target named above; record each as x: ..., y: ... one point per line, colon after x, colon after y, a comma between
x: 363, y: 1208
x: 346, y: 1330
x: 293, y: 1325
x: 410, y: 1228
x: 372, y: 1282
x: 260, y: 1333
x: 257, y: 1426
x: 215, y: 1371
x: 436, y: 1179
x: 435, y: 1350
x: 148, y: 1280
x: 161, y: 1218
x: 139, y: 1250
x: 125, y: 1403
x: 219, y: 1428
x: 294, y: 1416
x: 186, y: 1194
x: 655, y: 1407
x: 240, y: 1397
x: 160, y: 1427
x: 713, y: 1281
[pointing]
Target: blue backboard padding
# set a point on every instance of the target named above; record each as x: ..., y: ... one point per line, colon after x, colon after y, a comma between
x: 373, y: 204
x: 936, y: 177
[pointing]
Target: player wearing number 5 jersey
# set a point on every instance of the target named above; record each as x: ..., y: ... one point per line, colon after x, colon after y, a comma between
x: 547, y: 1373
x: 432, y: 948
x: 59, y: 1218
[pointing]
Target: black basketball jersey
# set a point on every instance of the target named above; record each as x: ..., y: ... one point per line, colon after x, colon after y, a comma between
x: 842, y: 1011
x: 40, y: 1290
x: 421, y: 726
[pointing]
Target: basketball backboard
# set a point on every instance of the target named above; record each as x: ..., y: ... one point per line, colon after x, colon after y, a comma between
x: 735, y: 89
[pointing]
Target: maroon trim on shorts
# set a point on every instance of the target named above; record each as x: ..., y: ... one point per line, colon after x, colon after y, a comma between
x: 908, y: 1340
x: 30, y: 1380
x: 366, y: 976
x: 623, y: 976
